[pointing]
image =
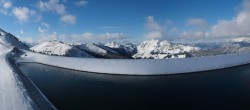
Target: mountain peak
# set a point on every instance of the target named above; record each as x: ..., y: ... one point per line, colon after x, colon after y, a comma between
x: 2, y: 32
x: 59, y: 48
x: 113, y: 44
x: 152, y: 44
x: 162, y: 49
x: 10, y: 40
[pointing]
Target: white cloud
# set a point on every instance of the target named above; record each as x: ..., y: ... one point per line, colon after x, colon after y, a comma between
x: 21, y: 32
x: 38, y: 17
x: 27, y: 39
x: 42, y: 30
x: 154, y: 29
x: 4, y: 12
x: 45, y: 25
x: 168, y: 31
x: 112, y: 36
x: 194, y: 35
x: 98, y: 37
x: 201, y: 23
x: 152, y: 25
x: 48, y: 37
x: 85, y: 37
x: 81, y: 3
x: 52, y: 6
x: 237, y: 26
x: 68, y: 19
x: 21, y: 13
x: 154, y: 35
x: 7, y: 4
x: 112, y: 27
x: 57, y: 6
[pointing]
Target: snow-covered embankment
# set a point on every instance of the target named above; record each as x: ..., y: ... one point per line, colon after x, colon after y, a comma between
x: 17, y: 91
x: 140, y: 66
x: 12, y: 91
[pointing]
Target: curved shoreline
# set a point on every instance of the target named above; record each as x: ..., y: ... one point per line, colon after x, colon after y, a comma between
x: 20, y: 63
x: 140, y: 66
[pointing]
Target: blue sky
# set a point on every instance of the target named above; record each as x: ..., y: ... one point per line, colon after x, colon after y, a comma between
x: 136, y: 20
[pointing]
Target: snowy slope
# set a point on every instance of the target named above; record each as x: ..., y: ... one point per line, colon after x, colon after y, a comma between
x: 154, y: 49
x: 10, y: 40
x: 128, y: 49
x: 106, y: 48
x: 212, y: 49
x: 140, y: 66
x: 59, y: 48
x: 100, y: 51
x: 230, y: 48
x: 92, y: 48
x: 17, y: 92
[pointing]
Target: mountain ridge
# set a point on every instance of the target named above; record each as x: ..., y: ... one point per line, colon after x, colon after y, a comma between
x: 149, y: 49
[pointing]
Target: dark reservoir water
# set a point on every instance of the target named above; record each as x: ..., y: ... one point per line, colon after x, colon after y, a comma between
x: 212, y: 90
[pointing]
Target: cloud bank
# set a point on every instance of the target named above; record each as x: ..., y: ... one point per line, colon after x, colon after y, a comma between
x: 198, y: 28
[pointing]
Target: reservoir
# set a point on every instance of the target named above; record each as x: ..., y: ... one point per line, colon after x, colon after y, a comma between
x: 72, y: 90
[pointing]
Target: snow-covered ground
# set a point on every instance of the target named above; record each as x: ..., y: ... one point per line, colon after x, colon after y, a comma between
x: 140, y: 66
x: 17, y: 92
x: 13, y: 95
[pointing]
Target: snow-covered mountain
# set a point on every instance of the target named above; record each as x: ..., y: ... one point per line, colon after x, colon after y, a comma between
x: 100, y: 51
x: 155, y: 49
x: 59, y: 48
x: 8, y: 39
x: 241, y: 39
x: 212, y: 49
x: 127, y: 49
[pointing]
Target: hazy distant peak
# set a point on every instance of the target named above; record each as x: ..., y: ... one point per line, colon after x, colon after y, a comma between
x: 242, y: 39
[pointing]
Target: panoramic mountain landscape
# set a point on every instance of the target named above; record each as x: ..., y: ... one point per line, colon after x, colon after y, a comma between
x: 149, y: 49
x: 124, y: 55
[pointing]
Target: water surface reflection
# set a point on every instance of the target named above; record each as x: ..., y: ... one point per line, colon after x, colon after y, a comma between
x: 68, y: 89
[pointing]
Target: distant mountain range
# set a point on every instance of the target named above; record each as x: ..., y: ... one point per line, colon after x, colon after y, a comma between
x: 151, y: 49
